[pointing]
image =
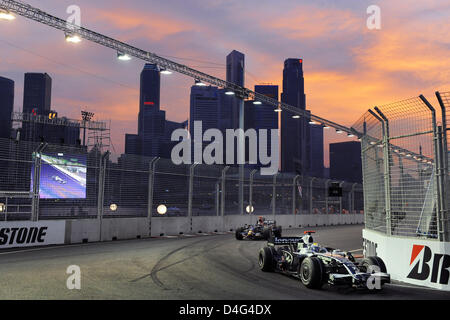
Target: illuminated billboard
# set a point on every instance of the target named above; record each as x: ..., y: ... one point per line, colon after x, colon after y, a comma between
x: 63, y: 176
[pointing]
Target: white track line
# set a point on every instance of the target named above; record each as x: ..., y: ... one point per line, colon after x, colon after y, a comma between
x: 48, y: 248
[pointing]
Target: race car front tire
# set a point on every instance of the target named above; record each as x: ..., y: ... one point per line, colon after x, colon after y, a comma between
x: 373, y: 261
x: 265, y: 259
x: 238, y: 234
x: 311, y: 273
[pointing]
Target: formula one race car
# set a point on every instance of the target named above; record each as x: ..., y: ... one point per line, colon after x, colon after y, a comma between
x: 263, y: 229
x: 315, y: 266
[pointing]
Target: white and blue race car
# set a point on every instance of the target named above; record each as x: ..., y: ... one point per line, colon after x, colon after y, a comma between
x: 315, y: 266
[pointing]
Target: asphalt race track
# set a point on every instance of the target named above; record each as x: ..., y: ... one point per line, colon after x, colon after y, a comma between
x: 216, y: 267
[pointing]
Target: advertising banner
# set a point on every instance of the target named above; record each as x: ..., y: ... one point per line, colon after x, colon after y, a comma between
x: 420, y: 262
x: 30, y: 234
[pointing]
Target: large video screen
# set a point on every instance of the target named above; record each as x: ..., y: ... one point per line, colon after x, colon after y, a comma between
x: 63, y: 176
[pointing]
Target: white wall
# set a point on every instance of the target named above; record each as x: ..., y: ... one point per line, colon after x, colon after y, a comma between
x: 88, y: 230
x: 401, y: 255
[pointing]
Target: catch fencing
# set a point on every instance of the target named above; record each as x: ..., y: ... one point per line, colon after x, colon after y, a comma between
x: 44, y: 181
x: 405, y: 168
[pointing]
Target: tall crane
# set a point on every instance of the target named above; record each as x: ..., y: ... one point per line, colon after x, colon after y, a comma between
x: 32, y: 13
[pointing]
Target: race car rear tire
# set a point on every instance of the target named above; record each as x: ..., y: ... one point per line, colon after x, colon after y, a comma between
x: 265, y: 259
x: 373, y: 261
x: 311, y: 273
x: 238, y: 234
x: 267, y: 234
x: 277, y: 232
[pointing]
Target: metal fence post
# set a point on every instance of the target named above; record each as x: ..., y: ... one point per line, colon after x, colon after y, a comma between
x: 191, y: 192
x: 444, y: 130
x: 6, y: 209
x: 35, y: 198
x: 364, y: 143
x: 444, y: 149
x: 294, y: 193
x: 387, y: 171
x: 439, y: 174
x: 326, y: 196
x: 250, y: 196
x: 36, y: 182
x: 101, y: 191
x: 222, y: 196
x: 151, y: 183
x: 352, y: 203
x: 274, y: 195
x: 217, y: 199
x: 311, y: 195
x: 442, y: 187
x: 340, y: 198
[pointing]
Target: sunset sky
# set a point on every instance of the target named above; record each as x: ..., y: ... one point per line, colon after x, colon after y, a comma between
x: 348, y: 68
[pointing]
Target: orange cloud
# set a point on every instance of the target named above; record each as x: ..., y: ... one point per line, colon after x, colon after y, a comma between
x: 310, y: 21
x: 148, y: 24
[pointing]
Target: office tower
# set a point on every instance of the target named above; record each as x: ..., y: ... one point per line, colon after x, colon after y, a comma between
x: 345, y: 161
x: 132, y: 144
x: 236, y: 68
x: 37, y: 93
x: 262, y: 116
x: 235, y: 74
x: 317, y: 167
x: 166, y: 143
x: 205, y: 106
x: 295, y: 133
x: 6, y: 106
x: 151, y: 119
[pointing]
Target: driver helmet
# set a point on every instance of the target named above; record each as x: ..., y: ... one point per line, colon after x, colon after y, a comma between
x: 315, y: 248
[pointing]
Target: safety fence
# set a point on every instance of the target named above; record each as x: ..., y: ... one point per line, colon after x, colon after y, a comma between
x: 41, y: 181
x: 405, y: 168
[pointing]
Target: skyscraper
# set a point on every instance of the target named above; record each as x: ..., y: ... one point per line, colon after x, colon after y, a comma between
x: 236, y: 68
x: 6, y: 106
x: 37, y: 96
x: 295, y: 133
x: 316, y: 160
x: 301, y: 142
x: 345, y: 161
x: 262, y: 116
x: 154, y: 131
x: 167, y: 144
x: 235, y: 74
x: 151, y: 119
x: 37, y: 93
x: 133, y: 144
x: 205, y: 107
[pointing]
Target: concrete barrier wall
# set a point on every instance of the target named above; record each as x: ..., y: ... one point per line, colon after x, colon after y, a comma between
x: 422, y: 262
x: 88, y: 230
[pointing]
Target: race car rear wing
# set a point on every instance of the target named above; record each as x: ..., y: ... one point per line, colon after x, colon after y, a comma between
x: 285, y: 240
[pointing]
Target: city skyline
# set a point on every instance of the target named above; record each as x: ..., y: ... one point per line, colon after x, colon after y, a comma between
x: 372, y: 60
